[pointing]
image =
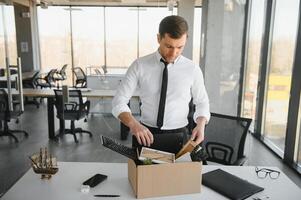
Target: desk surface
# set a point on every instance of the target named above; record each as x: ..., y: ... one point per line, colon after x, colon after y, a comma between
x: 25, y: 75
x: 66, y: 184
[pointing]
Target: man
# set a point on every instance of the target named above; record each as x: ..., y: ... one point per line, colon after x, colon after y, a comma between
x: 166, y: 82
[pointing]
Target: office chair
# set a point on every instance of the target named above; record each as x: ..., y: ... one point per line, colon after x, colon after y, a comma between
x: 225, y: 138
x: 61, y: 75
x: 73, y: 110
x: 6, y: 115
x: 47, y: 81
x: 81, y: 78
x: 30, y: 83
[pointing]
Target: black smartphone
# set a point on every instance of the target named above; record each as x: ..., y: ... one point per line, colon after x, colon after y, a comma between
x: 95, y: 180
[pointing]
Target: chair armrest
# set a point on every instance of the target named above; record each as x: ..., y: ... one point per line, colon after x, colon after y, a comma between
x: 86, y: 106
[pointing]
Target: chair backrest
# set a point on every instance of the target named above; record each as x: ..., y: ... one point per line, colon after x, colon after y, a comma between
x: 97, y: 71
x: 5, y: 113
x: 75, y: 98
x: 3, y: 104
x: 80, y: 75
x: 225, y: 138
x: 63, y: 72
x: 50, y: 77
x: 31, y: 82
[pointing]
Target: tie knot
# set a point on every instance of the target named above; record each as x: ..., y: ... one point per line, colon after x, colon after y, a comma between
x: 164, y: 62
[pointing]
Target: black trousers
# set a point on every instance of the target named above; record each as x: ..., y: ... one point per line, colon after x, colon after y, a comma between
x: 165, y: 140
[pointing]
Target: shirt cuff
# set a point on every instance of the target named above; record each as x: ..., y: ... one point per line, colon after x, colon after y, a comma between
x: 117, y: 110
x: 202, y: 112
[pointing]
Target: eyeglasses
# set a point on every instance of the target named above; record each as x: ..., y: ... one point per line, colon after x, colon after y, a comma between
x: 262, y: 173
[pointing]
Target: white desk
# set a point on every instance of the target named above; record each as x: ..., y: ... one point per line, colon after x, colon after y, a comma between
x: 65, y: 185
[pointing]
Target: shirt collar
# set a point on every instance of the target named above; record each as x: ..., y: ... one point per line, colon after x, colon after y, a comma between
x: 158, y: 57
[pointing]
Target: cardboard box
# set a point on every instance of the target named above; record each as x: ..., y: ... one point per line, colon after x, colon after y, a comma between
x: 165, y: 179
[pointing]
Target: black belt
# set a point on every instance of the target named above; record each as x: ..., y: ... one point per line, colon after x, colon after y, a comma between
x: 155, y: 130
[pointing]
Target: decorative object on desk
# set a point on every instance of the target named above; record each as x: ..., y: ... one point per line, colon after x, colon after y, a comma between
x: 44, y: 163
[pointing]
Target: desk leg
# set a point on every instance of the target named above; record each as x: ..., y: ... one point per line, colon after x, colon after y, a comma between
x: 51, y: 125
x: 62, y: 126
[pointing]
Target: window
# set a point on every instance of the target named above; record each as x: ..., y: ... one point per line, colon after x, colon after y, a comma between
x: 149, y: 19
x: 280, y: 71
x: 8, y: 20
x: 121, y: 36
x: 2, y: 41
x: 55, y: 38
x: 197, y: 35
x: 253, y: 57
x: 88, y: 36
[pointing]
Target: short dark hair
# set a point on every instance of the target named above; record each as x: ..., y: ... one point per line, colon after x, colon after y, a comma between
x: 173, y: 25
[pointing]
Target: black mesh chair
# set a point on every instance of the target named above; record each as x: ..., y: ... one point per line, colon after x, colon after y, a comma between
x: 6, y: 115
x: 225, y: 139
x: 47, y: 81
x: 75, y: 109
x: 81, y: 78
x: 61, y: 75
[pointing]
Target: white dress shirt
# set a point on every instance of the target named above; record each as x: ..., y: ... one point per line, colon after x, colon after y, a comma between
x: 185, y: 81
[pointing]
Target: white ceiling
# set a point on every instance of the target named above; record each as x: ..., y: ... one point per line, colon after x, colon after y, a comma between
x: 113, y: 2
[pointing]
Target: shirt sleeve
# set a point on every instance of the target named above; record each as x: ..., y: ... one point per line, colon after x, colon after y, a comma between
x: 125, y: 91
x: 200, y: 96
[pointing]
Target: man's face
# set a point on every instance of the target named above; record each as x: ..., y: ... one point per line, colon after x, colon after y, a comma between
x: 171, y: 48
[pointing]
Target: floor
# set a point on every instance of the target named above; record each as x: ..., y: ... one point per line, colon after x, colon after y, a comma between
x: 14, y: 160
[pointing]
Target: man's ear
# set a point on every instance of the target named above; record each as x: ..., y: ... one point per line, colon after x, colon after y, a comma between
x: 159, y: 37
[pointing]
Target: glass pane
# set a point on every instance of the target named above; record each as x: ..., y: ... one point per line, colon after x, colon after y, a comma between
x: 11, y: 34
x: 253, y: 57
x: 279, y: 79
x: 2, y: 47
x: 149, y: 20
x: 197, y: 35
x: 9, y: 17
x: 121, y: 36
x: 55, y: 39
x: 88, y: 38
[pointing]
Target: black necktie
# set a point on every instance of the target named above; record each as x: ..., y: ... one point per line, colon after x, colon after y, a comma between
x: 163, y: 95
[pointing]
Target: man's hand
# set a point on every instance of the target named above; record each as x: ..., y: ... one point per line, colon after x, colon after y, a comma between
x: 142, y: 134
x: 198, y: 132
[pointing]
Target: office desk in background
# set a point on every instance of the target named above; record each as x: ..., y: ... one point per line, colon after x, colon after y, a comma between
x: 66, y: 184
x: 25, y: 75
x: 49, y: 94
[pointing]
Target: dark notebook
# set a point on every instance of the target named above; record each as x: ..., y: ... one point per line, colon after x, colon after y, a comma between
x: 229, y: 185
